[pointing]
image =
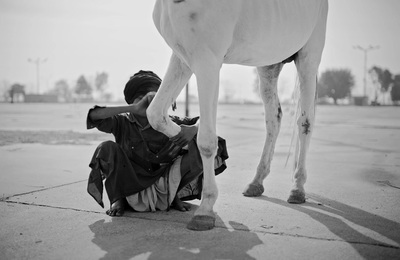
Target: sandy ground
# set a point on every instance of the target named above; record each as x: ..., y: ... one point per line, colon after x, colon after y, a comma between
x: 353, y: 190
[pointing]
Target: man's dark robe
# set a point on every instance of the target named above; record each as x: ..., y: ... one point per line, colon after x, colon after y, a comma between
x: 139, y: 157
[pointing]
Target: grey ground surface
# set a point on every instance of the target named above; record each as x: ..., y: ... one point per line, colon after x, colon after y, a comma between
x: 353, y: 191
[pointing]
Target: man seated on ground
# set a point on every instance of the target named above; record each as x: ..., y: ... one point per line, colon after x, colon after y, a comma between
x: 143, y: 168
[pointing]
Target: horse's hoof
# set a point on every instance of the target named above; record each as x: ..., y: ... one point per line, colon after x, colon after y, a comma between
x: 253, y: 190
x: 201, y: 223
x: 297, y: 197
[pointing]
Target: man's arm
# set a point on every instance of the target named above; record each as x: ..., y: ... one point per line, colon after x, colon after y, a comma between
x: 106, y: 112
x: 138, y: 108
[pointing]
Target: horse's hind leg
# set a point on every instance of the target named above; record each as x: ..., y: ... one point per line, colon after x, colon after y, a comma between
x: 305, y: 123
x: 307, y: 63
x: 268, y: 77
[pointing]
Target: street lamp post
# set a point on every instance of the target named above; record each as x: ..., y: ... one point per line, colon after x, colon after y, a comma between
x: 366, y: 50
x: 37, y: 62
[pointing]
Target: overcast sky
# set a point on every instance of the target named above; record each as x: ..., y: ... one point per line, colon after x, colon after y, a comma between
x: 85, y: 37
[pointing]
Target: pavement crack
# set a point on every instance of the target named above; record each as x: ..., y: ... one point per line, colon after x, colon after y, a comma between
x: 329, y: 239
x: 311, y: 237
x: 48, y: 188
x: 389, y: 184
x: 49, y: 206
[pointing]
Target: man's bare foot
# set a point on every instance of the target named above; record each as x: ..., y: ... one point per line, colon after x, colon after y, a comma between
x: 179, y: 205
x: 117, y: 209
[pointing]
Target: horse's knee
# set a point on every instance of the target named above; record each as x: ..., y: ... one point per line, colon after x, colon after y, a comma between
x: 207, y: 147
x: 208, y: 151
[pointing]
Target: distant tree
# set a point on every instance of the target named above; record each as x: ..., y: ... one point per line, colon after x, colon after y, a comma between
x: 335, y: 83
x: 101, y: 81
x: 15, y: 90
x: 382, y: 79
x: 83, y: 87
x: 62, y: 90
x: 5, y: 90
x: 107, y: 97
x: 383, y: 76
x: 395, y: 91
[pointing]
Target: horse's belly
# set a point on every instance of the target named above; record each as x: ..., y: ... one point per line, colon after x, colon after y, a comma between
x: 265, y: 54
x: 268, y: 32
x: 251, y: 32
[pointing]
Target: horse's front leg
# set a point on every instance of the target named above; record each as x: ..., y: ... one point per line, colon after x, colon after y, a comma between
x: 268, y: 76
x: 178, y: 74
x: 207, y: 73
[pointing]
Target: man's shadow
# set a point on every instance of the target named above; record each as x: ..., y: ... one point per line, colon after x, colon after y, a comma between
x: 159, y: 237
x: 345, y: 221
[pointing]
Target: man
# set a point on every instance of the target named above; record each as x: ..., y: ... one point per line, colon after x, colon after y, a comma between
x: 143, y: 167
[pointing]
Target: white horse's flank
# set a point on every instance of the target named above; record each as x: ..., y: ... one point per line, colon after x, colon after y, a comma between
x: 263, y: 33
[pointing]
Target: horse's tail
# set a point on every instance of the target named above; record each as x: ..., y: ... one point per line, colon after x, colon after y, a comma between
x: 294, y: 112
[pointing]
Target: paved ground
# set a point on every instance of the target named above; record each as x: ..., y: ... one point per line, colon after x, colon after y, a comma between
x: 352, y: 209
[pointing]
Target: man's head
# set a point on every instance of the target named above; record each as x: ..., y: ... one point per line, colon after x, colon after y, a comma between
x: 140, y: 84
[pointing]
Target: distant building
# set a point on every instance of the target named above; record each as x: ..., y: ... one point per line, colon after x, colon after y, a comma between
x: 360, y: 100
x: 34, y: 98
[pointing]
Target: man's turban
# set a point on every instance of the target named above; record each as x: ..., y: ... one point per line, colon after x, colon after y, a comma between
x: 141, y: 83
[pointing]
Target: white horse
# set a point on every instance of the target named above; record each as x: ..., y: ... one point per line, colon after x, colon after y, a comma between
x: 203, y: 35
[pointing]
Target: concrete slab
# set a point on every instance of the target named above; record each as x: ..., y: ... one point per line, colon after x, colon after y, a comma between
x: 31, y: 167
x: 352, y: 209
x: 64, y: 234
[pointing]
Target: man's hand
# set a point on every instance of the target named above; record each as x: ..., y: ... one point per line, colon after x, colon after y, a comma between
x: 186, y: 135
x: 139, y: 108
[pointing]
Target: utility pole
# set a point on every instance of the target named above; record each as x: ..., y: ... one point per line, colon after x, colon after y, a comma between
x: 37, y: 62
x: 366, y: 50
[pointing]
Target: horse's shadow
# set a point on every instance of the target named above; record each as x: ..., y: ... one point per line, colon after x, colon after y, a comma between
x: 158, y: 237
x: 371, y: 235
